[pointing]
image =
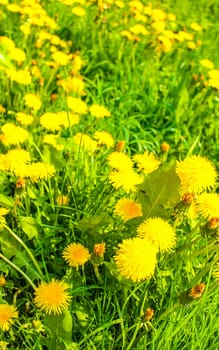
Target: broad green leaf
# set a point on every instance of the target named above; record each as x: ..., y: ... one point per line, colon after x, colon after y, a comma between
x: 159, y: 191
x: 29, y: 226
x: 60, y: 326
x: 9, y: 245
x: 23, y: 260
x: 52, y: 156
x: 6, y: 202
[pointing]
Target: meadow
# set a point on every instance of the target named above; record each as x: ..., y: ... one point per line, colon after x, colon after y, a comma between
x: 109, y: 148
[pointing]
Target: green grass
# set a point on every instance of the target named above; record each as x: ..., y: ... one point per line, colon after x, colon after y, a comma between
x: 154, y: 97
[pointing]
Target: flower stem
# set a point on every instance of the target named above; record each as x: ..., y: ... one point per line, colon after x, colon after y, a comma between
x: 17, y: 269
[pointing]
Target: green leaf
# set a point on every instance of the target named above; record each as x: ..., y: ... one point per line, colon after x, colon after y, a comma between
x: 6, y: 202
x: 60, y: 326
x: 9, y: 245
x: 159, y: 191
x: 29, y: 226
x: 52, y: 156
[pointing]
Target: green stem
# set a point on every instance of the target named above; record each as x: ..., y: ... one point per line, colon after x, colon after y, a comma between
x: 134, y: 335
x: 26, y: 248
x: 19, y: 270
x: 97, y: 273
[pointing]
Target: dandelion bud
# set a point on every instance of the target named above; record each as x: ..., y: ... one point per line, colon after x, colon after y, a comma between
x: 53, y: 97
x: 20, y: 183
x: 187, y: 198
x: 197, y: 291
x: 99, y: 249
x: 62, y: 200
x: 120, y: 146
x: 148, y: 315
x: 165, y: 147
x: 2, y: 281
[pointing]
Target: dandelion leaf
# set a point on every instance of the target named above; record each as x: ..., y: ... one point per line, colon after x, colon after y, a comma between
x: 6, y: 202
x: 9, y: 245
x: 52, y: 156
x: 160, y: 189
x: 60, y: 326
x: 29, y: 226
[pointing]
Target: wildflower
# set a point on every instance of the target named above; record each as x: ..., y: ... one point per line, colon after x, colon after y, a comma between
x: 104, y: 138
x: 165, y: 147
x: 32, y: 101
x: 78, y: 11
x: 138, y: 29
x: 19, y: 76
x: 77, y: 105
x: 136, y: 259
x: 24, y: 118
x: 196, y: 27
x: 75, y: 254
x: 2, y: 280
x: 208, y: 205
x: 196, y: 174
x: 197, y: 291
x: 207, y: 63
x: 213, y: 74
x: 127, y: 179
x: 148, y: 315
x: 99, y: 249
x: 85, y: 141
x: 17, y: 55
x: 61, y: 58
x: 128, y: 209
x: 120, y: 146
x: 38, y: 171
x: 119, y: 161
x: 13, y: 135
x: 146, y: 162
x: 7, y: 313
x: 99, y: 111
x: 158, y: 232
x: 52, y: 297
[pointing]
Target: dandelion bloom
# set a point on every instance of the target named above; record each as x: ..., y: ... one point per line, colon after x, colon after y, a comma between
x: 207, y: 63
x: 77, y: 105
x: 104, y: 138
x: 7, y: 313
x: 75, y: 254
x: 32, y: 101
x: 119, y: 161
x: 196, y: 174
x: 86, y: 142
x: 24, y: 118
x: 13, y: 135
x: 136, y: 259
x: 208, y: 205
x: 146, y: 162
x: 52, y: 297
x: 159, y: 232
x: 126, y: 179
x: 99, y: 111
x: 128, y: 209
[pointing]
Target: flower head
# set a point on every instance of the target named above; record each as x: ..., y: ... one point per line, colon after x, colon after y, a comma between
x: 147, y: 162
x: 99, y: 111
x: 128, y: 209
x: 32, y: 101
x: 136, y: 259
x: 159, y: 232
x: 119, y: 161
x: 7, y: 313
x: 196, y: 174
x: 127, y: 179
x: 75, y: 254
x: 52, y: 297
x: 13, y: 135
x: 208, y: 205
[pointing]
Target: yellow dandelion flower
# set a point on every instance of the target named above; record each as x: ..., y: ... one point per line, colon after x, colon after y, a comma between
x: 138, y: 29
x: 52, y: 297
x: 207, y: 63
x: 146, y: 162
x: 7, y: 314
x: 99, y: 111
x: 68, y: 119
x: 159, y: 232
x: 61, y: 58
x: 213, y: 83
x: 77, y: 105
x: 24, y: 119
x: 32, y: 101
x: 13, y: 135
x: 136, y: 259
x: 17, y: 55
x: 75, y: 254
x: 196, y: 174
x: 51, y: 121
x: 38, y: 171
x: 196, y: 27
x: 78, y: 11
x: 19, y: 76
x: 51, y: 139
x: 128, y: 209
x: 62, y: 199
x: 119, y: 161
x: 104, y: 138
x: 213, y: 74
x: 126, y: 179
x: 207, y: 205
x: 86, y: 142
x: 15, y: 158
